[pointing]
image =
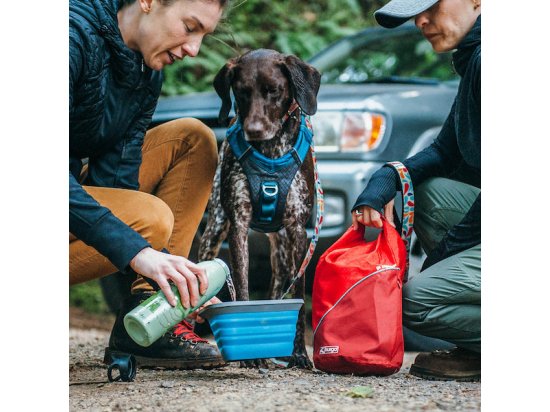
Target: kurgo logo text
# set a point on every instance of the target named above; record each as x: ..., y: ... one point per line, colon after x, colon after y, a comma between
x: 324, y: 350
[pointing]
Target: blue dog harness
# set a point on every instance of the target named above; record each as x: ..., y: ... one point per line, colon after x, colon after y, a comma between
x: 269, y: 179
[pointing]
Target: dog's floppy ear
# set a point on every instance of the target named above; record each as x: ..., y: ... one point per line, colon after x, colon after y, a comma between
x: 222, y: 85
x: 305, y: 81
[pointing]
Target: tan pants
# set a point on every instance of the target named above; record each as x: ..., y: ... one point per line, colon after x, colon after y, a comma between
x: 175, y: 180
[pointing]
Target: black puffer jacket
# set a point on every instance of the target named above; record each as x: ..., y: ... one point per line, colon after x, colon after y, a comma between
x: 112, y: 99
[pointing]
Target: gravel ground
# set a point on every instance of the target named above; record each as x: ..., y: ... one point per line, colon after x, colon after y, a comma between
x: 232, y: 388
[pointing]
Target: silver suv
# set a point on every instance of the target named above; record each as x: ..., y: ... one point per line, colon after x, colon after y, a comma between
x: 384, y: 96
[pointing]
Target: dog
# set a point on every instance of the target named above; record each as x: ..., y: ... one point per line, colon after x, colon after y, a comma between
x: 267, y: 87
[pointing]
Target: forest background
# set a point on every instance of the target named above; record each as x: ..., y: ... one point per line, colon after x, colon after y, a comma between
x: 302, y: 28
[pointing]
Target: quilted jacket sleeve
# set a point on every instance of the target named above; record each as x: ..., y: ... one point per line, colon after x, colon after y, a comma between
x: 90, y: 222
x: 126, y: 155
x: 96, y: 226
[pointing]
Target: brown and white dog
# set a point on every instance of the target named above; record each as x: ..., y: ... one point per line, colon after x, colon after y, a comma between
x: 265, y: 84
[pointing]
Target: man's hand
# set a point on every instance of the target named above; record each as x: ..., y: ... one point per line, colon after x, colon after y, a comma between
x: 187, y: 276
x: 367, y: 216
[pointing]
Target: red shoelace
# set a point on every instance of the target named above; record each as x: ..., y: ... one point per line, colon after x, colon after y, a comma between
x: 185, y: 330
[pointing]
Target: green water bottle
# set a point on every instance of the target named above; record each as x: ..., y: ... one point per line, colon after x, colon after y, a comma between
x: 154, y: 316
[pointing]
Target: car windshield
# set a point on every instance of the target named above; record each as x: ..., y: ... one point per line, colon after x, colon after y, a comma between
x: 400, y: 56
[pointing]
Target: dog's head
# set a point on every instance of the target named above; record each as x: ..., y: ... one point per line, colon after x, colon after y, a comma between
x: 264, y: 83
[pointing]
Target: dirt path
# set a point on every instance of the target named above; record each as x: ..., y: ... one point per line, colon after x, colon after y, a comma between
x: 235, y: 389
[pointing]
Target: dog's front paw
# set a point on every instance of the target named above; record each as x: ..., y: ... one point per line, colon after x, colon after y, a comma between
x: 254, y: 364
x: 300, y: 360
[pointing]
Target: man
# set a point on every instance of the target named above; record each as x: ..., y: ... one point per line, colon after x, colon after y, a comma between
x: 444, y: 300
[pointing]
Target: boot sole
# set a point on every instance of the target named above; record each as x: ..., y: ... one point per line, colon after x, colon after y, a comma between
x: 435, y: 376
x: 152, y: 363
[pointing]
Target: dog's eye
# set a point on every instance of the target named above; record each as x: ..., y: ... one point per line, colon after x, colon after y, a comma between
x: 242, y: 90
x: 271, y: 90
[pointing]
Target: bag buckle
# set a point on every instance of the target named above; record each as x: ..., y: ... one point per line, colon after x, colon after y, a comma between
x: 126, y: 366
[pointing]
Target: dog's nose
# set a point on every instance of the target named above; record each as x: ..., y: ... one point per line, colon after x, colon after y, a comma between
x: 254, y: 130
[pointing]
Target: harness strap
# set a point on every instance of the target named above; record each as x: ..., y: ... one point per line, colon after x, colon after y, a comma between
x: 269, y: 179
x: 244, y: 152
x: 407, y: 194
x: 269, y: 198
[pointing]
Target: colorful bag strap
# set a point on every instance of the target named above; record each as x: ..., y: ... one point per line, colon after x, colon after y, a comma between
x: 318, y: 221
x: 408, y: 208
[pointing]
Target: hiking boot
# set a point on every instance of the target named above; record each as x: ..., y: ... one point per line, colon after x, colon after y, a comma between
x: 446, y: 365
x: 179, y: 348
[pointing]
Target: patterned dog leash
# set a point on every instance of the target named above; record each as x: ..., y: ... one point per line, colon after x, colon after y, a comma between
x: 318, y: 221
x: 408, y: 208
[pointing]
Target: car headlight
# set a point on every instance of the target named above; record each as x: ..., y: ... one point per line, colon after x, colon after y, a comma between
x: 348, y: 131
x: 334, y: 210
x: 334, y: 214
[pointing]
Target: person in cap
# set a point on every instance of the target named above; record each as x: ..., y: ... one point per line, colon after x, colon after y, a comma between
x: 444, y: 300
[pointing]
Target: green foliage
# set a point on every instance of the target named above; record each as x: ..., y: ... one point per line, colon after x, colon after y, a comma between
x: 88, y: 297
x: 299, y: 28
x: 389, y: 56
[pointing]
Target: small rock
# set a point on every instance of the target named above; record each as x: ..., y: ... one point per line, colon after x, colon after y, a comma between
x: 167, y: 384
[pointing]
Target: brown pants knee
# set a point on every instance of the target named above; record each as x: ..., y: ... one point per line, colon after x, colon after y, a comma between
x: 175, y: 180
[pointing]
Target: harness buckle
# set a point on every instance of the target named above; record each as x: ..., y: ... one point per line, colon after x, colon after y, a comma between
x: 270, y: 189
x: 268, y: 200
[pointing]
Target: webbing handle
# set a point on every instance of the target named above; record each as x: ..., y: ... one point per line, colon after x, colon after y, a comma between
x: 407, y: 193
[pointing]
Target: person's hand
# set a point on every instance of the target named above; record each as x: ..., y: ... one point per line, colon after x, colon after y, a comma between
x: 187, y: 276
x: 367, y: 216
x: 195, y: 315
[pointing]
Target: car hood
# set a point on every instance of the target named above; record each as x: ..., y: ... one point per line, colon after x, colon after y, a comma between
x: 355, y: 96
x: 199, y: 105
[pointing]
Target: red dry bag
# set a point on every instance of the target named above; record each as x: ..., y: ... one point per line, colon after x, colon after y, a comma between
x: 356, y: 301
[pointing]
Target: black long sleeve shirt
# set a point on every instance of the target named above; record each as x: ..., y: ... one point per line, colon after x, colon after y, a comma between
x: 455, y: 153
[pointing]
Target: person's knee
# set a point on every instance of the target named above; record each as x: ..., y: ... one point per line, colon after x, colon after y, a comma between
x: 198, y: 140
x: 424, y: 194
x: 156, y: 222
x: 414, y: 304
x: 436, y: 210
x: 204, y: 141
x: 412, y: 313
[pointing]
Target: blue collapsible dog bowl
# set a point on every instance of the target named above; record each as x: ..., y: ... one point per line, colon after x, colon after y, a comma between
x: 254, y: 329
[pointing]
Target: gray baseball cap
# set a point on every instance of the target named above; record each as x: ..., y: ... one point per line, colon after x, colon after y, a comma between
x: 397, y: 12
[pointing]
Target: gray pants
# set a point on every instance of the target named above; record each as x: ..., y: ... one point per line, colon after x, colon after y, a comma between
x: 444, y: 301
